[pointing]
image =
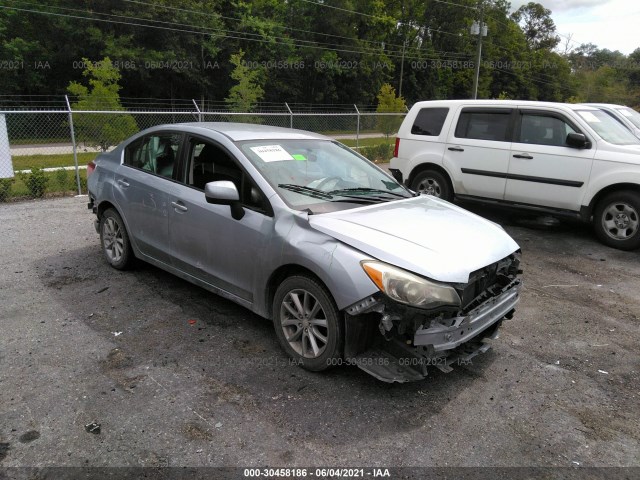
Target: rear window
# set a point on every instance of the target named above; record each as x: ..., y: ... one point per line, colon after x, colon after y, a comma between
x: 429, y: 121
x: 484, y: 125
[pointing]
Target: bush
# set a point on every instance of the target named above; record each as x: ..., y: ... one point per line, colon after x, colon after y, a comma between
x: 62, y: 179
x: 83, y: 182
x: 380, y: 153
x: 36, y: 182
x: 5, y: 188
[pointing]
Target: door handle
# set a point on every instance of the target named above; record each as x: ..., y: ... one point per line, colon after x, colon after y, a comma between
x: 179, y: 206
x: 523, y: 155
x: 122, y: 182
x: 456, y: 149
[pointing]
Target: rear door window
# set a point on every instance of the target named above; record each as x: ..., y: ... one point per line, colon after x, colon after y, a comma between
x: 485, y: 124
x: 429, y: 121
x: 156, y: 153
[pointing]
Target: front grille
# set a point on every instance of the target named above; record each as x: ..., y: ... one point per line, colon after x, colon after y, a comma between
x: 482, y: 282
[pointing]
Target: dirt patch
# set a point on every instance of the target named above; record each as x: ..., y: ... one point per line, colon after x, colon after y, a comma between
x: 29, y: 436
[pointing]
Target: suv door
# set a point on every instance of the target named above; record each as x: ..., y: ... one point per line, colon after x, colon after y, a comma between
x: 207, y: 242
x: 477, y: 151
x: 140, y: 189
x: 543, y: 169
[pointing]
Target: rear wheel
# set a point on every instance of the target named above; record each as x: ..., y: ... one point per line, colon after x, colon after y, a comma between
x: 307, y: 323
x: 115, y: 240
x: 616, y: 220
x: 432, y: 182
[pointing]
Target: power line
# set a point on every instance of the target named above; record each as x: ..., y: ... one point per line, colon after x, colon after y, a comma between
x: 305, y: 43
x: 456, y: 4
x: 291, y: 28
x: 309, y: 44
x: 216, y: 15
x: 537, y: 80
x: 342, y: 9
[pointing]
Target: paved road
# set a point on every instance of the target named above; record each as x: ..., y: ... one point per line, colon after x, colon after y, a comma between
x: 176, y: 376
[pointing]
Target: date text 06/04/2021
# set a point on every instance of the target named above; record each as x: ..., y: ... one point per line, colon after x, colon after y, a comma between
x: 316, y: 472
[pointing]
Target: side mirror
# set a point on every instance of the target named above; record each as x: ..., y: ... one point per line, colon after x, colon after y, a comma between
x: 224, y: 192
x: 577, y: 140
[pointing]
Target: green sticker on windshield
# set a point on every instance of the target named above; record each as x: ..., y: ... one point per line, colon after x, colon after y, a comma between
x: 298, y: 156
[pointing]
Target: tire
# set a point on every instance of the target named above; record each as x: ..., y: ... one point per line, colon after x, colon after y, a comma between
x: 315, y: 342
x: 433, y: 183
x: 115, y: 240
x: 616, y: 220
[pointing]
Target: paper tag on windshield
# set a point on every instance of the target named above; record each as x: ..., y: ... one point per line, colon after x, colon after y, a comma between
x: 589, y: 117
x: 271, y: 153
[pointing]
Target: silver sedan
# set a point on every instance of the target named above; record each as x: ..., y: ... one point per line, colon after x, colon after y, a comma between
x: 351, y: 266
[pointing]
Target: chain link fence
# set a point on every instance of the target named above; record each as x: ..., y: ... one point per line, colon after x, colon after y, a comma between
x: 44, y: 153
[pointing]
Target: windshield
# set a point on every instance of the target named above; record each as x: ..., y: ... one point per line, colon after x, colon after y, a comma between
x: 320, y: 175
x: 607, y: 128
x: 631, y: 115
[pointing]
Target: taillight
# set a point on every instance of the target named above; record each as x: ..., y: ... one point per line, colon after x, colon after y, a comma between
x: 395, y: 150
x: 91, y: 166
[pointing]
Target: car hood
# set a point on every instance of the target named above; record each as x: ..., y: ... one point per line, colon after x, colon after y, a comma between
x: 423, y: 234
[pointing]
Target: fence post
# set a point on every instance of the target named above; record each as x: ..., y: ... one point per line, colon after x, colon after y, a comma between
x: 357, y: 127
x: 197, y: 109
x: 290, y: 115
x: 73, y: 142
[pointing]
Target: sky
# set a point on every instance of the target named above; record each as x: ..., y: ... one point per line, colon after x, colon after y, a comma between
x: 611, y: 24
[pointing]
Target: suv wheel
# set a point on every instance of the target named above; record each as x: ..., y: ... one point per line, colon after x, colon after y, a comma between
x: 617, y: 220
x: 433, y: 183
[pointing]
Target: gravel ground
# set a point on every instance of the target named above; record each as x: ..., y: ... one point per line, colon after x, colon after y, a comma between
x: 176, y: 376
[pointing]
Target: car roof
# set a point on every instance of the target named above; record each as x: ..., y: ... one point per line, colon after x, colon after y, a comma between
x: 506, y: 103
x: 245, y: 131
x: 605, y: 105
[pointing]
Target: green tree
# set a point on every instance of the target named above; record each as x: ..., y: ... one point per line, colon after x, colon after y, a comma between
x: 605, y: 76
x: 244, y: 96
x: 100, y: 130
x: 537, y: 25
x: 388, y: 102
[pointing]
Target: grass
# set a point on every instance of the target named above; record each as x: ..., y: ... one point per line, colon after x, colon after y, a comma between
x: 61, y: 182
x: 27, y: 162
x: 39, y: 141
x: 369, y: 142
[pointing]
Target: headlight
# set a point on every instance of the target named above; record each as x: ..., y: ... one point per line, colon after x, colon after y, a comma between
x: 405, y: 287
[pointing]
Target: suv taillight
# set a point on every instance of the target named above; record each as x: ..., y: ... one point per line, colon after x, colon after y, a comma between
x: 91, y: 166
x: 397, y: 147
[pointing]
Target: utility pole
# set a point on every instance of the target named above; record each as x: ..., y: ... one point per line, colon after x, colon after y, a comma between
x: 481, y: 31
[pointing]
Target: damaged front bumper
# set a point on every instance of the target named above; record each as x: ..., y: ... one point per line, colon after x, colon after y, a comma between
x: 406, y: 344
x: 463, y: 328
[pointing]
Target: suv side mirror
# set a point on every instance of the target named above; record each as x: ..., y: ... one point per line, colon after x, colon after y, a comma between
x: 577, y: 140
x: 224, y: 192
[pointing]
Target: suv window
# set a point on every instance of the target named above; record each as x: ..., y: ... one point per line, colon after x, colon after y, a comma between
x: 429, y: 121
x: 155, y: 153
x: 484, y: 125
x: 544, y: 130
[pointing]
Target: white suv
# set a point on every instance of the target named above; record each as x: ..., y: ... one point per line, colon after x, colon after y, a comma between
x: 553, y: 157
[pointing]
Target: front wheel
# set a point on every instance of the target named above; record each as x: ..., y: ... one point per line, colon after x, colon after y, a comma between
x: 115, y: 240
x: 617, y: 220
x: 433, y: 183
x: 307, y: 323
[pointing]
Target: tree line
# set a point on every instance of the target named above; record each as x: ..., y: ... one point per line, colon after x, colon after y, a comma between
x: 305, y: 51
